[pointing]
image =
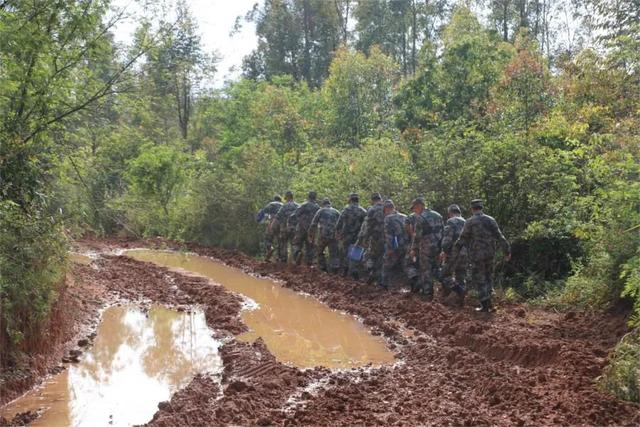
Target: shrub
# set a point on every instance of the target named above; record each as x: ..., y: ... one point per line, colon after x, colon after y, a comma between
x: 622, y: 376
x: 32, y: 262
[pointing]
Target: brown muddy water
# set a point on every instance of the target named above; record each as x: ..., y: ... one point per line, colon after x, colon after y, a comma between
x: 297, y: 329
x: 138, y: 359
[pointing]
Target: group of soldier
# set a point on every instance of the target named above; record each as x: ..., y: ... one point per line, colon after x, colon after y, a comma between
x: 421, y: 245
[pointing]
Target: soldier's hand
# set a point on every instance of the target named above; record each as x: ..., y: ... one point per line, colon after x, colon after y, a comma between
x: 508, y: 257
x: 442, y: 257
x: 412, y: 254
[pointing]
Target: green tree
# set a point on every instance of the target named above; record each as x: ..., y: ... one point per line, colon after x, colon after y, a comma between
x: 358, y: 95
x: 295, y: 37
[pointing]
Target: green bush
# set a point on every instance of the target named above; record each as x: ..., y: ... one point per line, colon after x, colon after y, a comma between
x: 622, y: 376
x: 32, y: 262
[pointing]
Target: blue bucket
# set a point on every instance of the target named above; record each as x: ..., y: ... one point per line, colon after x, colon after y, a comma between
x: 355, y: 253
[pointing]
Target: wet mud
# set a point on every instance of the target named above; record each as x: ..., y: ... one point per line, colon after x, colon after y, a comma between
x: 519, y: 366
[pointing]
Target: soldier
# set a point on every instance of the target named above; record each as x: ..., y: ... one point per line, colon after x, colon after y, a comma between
x: 347, y: 230
x: 426, y: 243
x: 372, y: 237
x: 284, y: 227
x: 323, y: 226
x: 303, y: 216
x: 268, y: 214
x: 480, y: 236
x: 412, y: 267
x: 396, y: 240
x: 454, y: 264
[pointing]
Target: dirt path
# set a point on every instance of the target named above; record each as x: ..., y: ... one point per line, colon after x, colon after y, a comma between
x: 516, y: 367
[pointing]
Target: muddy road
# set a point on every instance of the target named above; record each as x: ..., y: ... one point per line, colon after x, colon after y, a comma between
x: 519, y: 366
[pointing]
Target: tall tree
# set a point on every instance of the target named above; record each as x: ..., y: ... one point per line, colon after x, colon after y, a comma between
x: 399, y: 27
x: 178, y: 65
x: 296, y: 37
x: 358, y: 95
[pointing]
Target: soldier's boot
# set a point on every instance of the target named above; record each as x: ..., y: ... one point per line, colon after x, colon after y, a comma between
x: 427, y: 291
x: 460, y: 298
x: 415, y: 285
x: 446, y: 289
x: 371, y: 278
x: 267, y: 258
x: 485, y: 307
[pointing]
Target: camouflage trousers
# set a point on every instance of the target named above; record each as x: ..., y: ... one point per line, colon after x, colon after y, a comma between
x: 429, y: 269
x: 374, y: 260
x: 301, y: 244
x: 284, y: 239
x: 331, y: 245
x: 396, y: 259
x: 270, y: 237
x: 454, y: 272
x: 348, y: 266
x: 481, y: 270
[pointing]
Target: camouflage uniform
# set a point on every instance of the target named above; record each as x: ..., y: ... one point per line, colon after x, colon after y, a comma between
x: 372, y: 237
x: 396, y: 241
x: 347, y: 230
x: 271, y: 232
x: 325, y: 221
x: 426, y: 242
x: 285, y: 229
x: 480, y: 236
x: 412, y: 267
x: 303, y: 217
x: 454, y: 270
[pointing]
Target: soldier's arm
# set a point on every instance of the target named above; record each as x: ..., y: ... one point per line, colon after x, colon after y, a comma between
x: 340, y: 225
x: 447, y: 238
x: 387, y: 227
x: 314, y: 223
x: 465, y: 235
x: 364, y: 232
x: 502, y: 241
x: 417, y: 232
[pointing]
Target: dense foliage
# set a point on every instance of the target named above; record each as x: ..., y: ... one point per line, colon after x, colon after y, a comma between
x: 411, y: 99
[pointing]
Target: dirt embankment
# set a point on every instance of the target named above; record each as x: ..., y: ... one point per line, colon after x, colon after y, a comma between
x: 455, y: 367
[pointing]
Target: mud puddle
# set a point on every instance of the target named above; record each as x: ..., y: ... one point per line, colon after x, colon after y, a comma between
x: 297, y: 329
x: 138, y: 359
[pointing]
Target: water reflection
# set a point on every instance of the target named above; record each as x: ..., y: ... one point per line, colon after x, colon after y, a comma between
x: 138, y: 359
x: 297, y: 329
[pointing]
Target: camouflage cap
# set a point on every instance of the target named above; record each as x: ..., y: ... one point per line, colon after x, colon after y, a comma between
x: 388, y: 204
x: 454, y: 208
x: 376, y: 196
x: 277, y: 198
x: 288, y: 194
x: 354, y: 196
x: 418, y: 201
x: 477, y: 204
x: 312, y: 195
x: 326, y: 202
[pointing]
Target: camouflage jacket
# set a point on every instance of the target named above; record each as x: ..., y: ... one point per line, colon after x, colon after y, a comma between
x: 284, y: 214
x: 325, y: 221
x: 304, y: 215
x: 373, y: 226
x: 429, y: 229
x: 452, y: 230
x: 480, y: 235
x: 272, y: 209
x: 394, y: 230
x: 350, y: 221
